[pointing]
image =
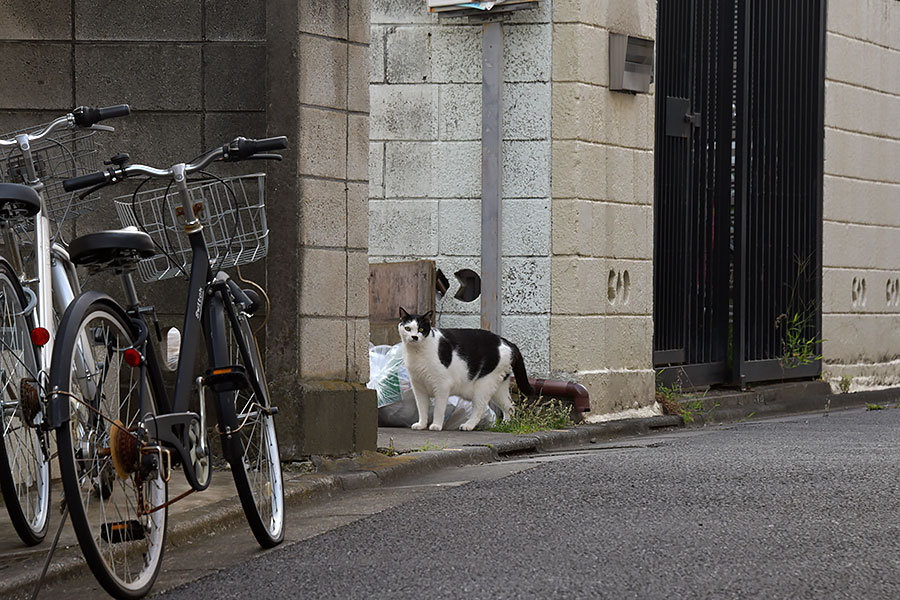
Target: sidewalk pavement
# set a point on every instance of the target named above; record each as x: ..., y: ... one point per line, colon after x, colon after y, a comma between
x: 404, y: 453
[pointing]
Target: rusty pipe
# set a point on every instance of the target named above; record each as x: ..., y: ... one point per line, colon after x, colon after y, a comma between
x: 581, y: 400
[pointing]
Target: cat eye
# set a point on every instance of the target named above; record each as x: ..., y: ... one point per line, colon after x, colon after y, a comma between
x: 407, y: 328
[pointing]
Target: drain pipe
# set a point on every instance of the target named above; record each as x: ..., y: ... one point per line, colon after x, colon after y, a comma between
x: 577, y: 393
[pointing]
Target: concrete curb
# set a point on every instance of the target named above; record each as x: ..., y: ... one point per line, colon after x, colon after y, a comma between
x: 372, y: 469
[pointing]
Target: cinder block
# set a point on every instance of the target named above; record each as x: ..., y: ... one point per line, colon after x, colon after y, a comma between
x: 857, y: 201
x: 236, y: 20
x: 359, y: 21
x: 571, y: 223
x: 366, y: 430
x: 163, y: 20
x: 36, y: 20
x: 577, y: 286
x: 407, y: 169
x: 593, y: 343
x: 861, y: 110
x: 407, y: 112
x: 323, y: 284
x: 860, y: 156
x: 526, y: 169
x: 323, y: 348
x: 324, y: 205
x: 314, y: 418
x: 456, y: 55
x: 358, y: 350
x: 531, y: 333
x: 526, y: 111
x: 400, y: 12
x: 358, y: 78
x: 862, y: 64
x: 622, y: 230
x: 613, y: 391
x: 459, y: 230
x: 457, y: 170
x: 526, y: 227
x: 324, y: 18
x: 527, y: 52
x: 34, y: 76
x: 577, y: 54
x: 643, y: 177
x: 358, y: 147
x: 235, y: 77
x: 323, y: 71
x: 579, y: 112
x: 377, y: 67
x: 403, y: 228
x: 579, y: 170
x: 357, y: 216
x: 620, y: 174
x: 376, y: 169
x: 859, y: 246
x: 459, y: 115
x: 542, y: 12
x: 526, y: 285
x: 843, y: 291
x: 860, y: 338
x: 323, y: 143
x: 357, y: 284
x: 409, y: 53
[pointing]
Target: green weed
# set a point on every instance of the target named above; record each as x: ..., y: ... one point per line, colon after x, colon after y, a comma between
x: 845, y: 382
x: 535, y: 414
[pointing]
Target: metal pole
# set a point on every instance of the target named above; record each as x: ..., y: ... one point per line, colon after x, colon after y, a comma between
x: 491, y: 159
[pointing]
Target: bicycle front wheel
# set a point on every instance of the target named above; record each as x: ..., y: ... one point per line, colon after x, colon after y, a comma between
x: 112, y: 476
x: 255, y: 461
x: 24, y: 468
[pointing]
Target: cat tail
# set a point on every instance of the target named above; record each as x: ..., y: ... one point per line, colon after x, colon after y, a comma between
x: 518, y: 367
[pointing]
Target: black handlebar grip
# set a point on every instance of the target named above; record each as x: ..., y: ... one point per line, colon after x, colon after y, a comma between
x: 85, y: 116
x: 247, y: 148
x: 83, y: 181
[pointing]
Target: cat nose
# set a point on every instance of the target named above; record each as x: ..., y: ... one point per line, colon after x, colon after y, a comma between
x: 415, y: 338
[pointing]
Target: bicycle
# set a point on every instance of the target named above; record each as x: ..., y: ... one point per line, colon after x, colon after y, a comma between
x: 33, y: 164
x: 119, y: 433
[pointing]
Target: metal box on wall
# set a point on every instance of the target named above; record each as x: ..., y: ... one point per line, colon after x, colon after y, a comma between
x: 630, y: 63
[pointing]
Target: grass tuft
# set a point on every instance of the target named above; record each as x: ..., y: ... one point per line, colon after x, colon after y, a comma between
x: 536, y: 414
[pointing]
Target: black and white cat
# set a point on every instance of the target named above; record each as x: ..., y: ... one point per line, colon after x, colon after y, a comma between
x: 471, y: 363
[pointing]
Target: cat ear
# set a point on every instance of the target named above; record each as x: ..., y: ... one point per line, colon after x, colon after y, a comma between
x: 429, y: 316
x: 403, y: 313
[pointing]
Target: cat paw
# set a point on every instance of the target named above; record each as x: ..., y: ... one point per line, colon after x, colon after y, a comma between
x: 435, y: 427
x: 467, y: 426
x: 418, y: 426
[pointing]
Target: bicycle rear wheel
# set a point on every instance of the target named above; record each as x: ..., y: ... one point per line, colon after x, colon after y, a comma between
x: 254, y: 457
x: 114, y: 485
x: 24, y: 468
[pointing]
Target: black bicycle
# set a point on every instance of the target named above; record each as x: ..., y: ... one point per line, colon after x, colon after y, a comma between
x: 118, y: 432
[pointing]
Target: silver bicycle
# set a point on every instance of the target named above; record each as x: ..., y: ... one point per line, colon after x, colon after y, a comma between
x: 37, y: 282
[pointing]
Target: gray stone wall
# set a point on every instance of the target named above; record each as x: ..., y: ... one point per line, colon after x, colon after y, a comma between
x: 861, y: 274
x: 425, y: 159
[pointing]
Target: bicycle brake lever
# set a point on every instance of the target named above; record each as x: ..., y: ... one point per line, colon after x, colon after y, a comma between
x: 97, y: 127
x: 265, y: 157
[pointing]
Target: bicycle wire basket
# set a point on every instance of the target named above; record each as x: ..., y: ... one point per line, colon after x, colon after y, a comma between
x: 68, y: 153
x: 233, y: 214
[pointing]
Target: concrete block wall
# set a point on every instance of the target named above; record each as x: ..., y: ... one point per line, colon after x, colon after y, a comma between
x: 861, y: 231
x: 425, y: 159
x: 602, y: 236
x: 200, y: 73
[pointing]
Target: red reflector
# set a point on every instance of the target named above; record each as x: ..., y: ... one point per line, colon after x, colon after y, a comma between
x: 39, y: 336
x: 132, y: 357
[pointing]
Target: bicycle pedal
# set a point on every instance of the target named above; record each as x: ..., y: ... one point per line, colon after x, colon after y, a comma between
x: 122, y: 531
x: 226, y: 379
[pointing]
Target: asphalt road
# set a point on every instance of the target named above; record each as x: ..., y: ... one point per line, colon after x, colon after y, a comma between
x: 806, y: 507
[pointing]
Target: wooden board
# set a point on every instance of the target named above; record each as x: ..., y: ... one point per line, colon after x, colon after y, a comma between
x: 392, y: 285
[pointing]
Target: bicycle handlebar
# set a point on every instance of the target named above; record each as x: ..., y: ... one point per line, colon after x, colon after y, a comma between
x: 83, y: 116
x: 239, y: 149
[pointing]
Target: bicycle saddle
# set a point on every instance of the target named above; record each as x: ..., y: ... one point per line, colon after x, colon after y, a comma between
x: 18, y: 200
x: 113, y: 248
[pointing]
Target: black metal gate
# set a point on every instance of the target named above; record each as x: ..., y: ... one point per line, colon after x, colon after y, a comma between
x: 738, y: 190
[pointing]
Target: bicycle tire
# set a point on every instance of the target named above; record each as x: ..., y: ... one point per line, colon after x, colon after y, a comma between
x: 106, y: 478
x: 253, y: 456
x: 24, y: 468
